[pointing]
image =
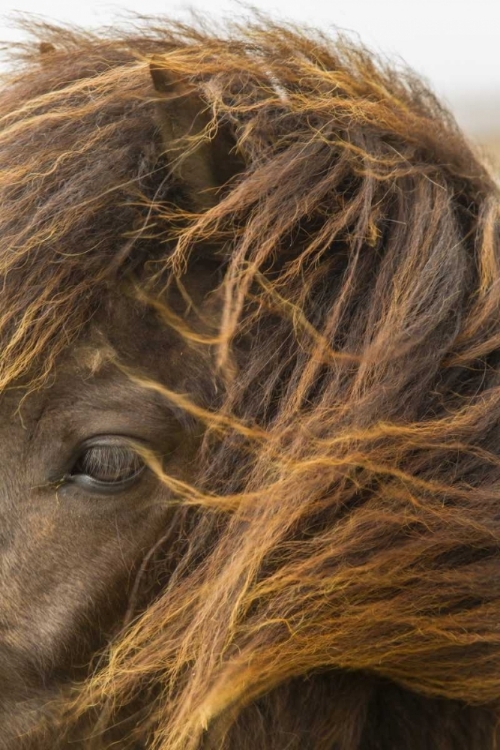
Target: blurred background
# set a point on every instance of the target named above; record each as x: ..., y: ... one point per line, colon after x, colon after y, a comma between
x: 453, y: 44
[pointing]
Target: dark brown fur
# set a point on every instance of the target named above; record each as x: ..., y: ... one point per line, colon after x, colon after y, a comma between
x: 273, y: 264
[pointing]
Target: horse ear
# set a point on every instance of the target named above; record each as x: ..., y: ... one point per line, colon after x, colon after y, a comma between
x: 203, y: 157
x: 46, y: 48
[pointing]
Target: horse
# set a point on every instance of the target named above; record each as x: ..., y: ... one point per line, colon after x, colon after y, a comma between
x: 250, y: 383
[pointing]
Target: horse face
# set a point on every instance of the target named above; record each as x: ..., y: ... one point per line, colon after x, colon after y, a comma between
x: 79, y: 511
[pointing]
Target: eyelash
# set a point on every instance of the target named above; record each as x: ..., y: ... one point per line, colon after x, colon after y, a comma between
x: 112, y: 457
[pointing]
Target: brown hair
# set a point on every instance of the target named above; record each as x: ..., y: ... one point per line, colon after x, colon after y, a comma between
x: 341, y: 586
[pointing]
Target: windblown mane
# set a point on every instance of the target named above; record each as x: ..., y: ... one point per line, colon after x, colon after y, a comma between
x: 341, y: 586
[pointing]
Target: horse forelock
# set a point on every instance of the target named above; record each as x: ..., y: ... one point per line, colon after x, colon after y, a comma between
x: 81, y: 174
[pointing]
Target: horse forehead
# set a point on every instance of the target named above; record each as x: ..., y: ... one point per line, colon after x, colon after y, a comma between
x: 84, y: 373
x: 121, y: 331
x: 93, y: 356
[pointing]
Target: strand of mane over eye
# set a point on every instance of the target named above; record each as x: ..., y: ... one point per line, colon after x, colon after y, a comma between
x: 339, y: 582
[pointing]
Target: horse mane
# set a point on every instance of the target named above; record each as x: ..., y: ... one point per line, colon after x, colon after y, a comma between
x: 340, y: 588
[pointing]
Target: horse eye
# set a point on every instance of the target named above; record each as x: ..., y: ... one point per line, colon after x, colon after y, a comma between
x: 106, y: 465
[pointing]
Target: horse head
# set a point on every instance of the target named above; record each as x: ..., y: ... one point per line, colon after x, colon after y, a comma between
x: 249, y: 399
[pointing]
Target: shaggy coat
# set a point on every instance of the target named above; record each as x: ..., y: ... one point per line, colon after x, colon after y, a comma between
x: 331, y: 576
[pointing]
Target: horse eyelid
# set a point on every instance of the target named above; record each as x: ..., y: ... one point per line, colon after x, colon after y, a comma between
x: 113, y: 449
x: 90, y: 484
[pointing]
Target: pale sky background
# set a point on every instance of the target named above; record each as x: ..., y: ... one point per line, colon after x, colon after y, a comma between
x: 454, y: 44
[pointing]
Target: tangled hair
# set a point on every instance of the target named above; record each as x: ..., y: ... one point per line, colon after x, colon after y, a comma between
x: 341, y: 585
